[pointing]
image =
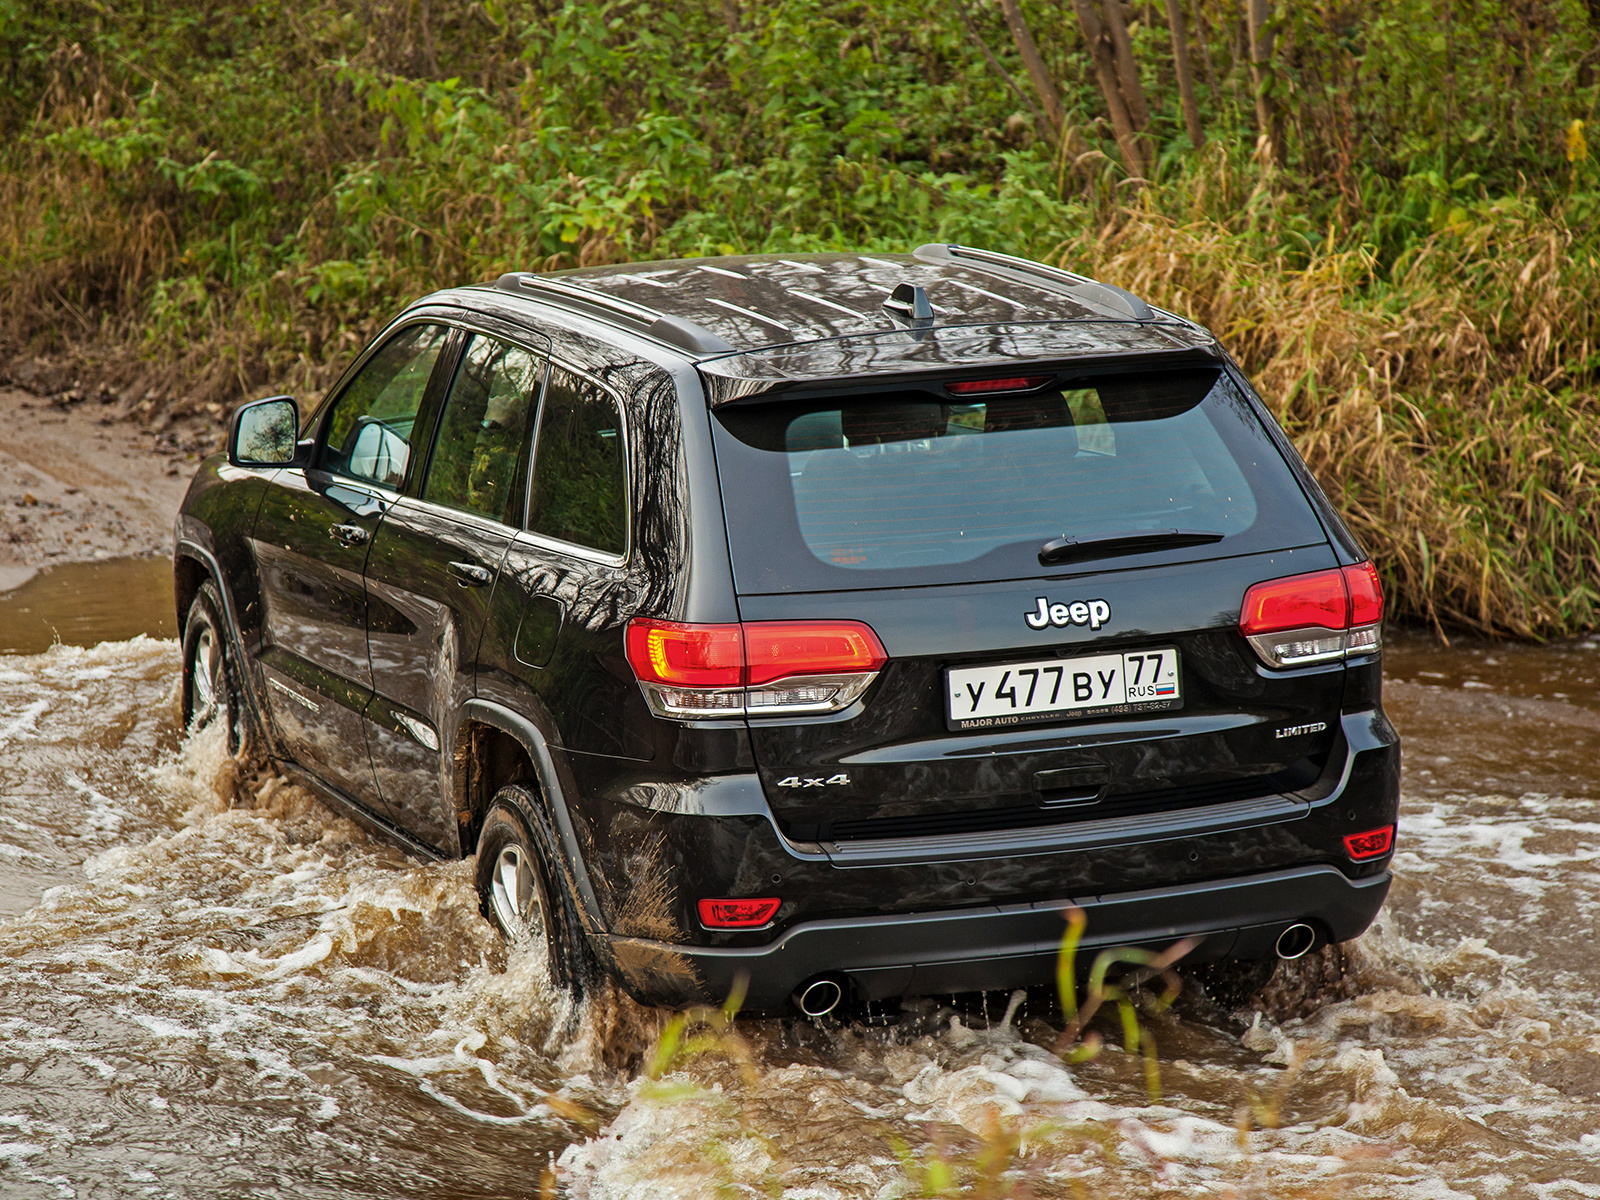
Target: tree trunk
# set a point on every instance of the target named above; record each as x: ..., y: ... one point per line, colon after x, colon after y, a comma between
x: 1203, y: 36
x: 1263, y: 36
x: 1185, y: 69
x: 1105, y: 69
x: 1045, y: 124
x: 1127, y: 69
x: 1237, y: 26
x: 1049, y: 98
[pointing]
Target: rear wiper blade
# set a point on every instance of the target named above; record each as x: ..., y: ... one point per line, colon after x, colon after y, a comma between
x: 1071, y: 549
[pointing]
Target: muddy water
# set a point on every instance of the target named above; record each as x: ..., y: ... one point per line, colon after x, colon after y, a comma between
x: 215, y: 988
x: 84, y: 603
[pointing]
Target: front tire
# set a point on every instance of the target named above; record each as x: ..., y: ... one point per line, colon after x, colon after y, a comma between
x: 210, y: 682
x: 516, y: 869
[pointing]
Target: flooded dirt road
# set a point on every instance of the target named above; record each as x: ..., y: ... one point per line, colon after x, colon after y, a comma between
x: 219, y: 989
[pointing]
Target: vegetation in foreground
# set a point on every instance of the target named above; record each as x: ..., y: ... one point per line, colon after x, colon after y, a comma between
x: 1387, y: 211
x: 703, y: 1061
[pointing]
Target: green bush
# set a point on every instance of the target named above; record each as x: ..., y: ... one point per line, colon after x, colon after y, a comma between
x: 211, y: 199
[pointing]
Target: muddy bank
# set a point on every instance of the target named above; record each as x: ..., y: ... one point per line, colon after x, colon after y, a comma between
x: 78, y: 483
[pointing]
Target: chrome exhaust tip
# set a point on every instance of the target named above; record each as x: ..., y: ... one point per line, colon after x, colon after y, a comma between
x: 819, y: 997
x: 1296, y: 942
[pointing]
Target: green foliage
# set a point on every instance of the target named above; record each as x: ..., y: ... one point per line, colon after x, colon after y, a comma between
x: 233, y: 194
x: 997, y: 1166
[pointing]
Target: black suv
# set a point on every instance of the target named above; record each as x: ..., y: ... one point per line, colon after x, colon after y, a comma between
x: 830, y: 621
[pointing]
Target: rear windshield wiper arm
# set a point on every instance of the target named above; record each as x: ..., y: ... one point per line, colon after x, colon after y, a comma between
x: 1071, y: 549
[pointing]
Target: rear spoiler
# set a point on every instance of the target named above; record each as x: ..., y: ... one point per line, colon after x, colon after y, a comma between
x: 885, y: 362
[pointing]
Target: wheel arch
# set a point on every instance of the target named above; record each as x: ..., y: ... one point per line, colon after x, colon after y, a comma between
x: 188, y: 574
x: 487, y: 758
x: 496, y: 746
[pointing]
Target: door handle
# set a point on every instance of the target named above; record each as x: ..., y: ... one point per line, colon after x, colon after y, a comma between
x: 350, y: 535
x: 471, y: 574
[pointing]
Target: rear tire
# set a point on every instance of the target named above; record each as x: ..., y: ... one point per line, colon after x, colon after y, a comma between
x: 211, y: 691
x: 520, y: 889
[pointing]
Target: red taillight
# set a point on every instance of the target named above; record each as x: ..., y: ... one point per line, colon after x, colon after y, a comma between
x: 730, y: 670
x: 978, y: 387
x: 1373, y: 844
x: 1297, y: 602
x: 1320, y: 617
x: 704, y: 656
x: 1366, y: 594
x: 738, y: 914
x: 781, y: 649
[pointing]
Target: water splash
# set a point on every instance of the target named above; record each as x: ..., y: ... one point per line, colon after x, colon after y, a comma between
x: 214, y: 987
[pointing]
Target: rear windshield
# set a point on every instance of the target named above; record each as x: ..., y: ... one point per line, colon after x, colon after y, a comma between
x: 914, y: 487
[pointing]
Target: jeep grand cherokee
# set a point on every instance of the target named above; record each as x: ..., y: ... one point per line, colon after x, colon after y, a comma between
x: 829, y: 621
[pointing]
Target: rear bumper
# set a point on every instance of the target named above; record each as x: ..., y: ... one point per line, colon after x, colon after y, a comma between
x: 995, y: 947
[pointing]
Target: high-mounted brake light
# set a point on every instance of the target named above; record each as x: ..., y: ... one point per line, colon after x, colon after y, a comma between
x: 738, y: 914
x: 760, y: 668
x: 1320, y: 617
x: 1375, y: 843
x: 980, y: 387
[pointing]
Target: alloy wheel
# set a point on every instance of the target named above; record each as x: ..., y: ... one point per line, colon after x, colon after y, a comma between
x: 514, y: 895
x: 205, y: 679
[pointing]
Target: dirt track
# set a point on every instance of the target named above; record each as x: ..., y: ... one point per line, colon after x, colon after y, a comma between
x: 78, y: 484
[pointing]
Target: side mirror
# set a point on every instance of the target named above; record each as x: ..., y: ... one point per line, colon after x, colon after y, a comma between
x: 263, y: 433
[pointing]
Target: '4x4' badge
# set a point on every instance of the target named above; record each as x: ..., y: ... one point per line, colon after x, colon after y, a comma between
x: 808, y: 781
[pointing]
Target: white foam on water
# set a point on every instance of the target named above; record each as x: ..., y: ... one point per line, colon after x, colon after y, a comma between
x: 23, y: 724
x: 253, y: 973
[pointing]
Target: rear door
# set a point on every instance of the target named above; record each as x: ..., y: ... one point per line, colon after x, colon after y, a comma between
x: 565, y: 585
x: 311, y: 542
x: 1026, y: 686
x: 432, y: 571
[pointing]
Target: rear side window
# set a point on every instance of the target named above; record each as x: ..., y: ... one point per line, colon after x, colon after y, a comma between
x: 480, y: 456
x: 580, y: 478
x: 370, y: 428
x: 914, y: 487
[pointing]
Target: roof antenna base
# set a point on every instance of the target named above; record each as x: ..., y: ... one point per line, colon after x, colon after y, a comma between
x: 909, y: 303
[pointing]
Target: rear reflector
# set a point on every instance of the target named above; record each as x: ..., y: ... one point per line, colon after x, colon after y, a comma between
x: 766, y: 668
x: 979, y: 387
x: 1375, y: 843
x: 1320, y: 617
x: 738, y: 914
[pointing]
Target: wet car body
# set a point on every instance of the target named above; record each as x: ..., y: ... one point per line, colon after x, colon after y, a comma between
x: 405, y: 658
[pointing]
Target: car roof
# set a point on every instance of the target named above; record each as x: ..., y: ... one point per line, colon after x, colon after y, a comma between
x: 765, y: 318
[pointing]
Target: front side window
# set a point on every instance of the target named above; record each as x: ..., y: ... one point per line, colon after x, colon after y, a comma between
x: 368, y: 434
x: 580, y: 478
x: 480, y: 458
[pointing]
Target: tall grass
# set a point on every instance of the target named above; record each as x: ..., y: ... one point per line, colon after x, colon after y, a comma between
x: 202, y: 201
x: 1447, y: 404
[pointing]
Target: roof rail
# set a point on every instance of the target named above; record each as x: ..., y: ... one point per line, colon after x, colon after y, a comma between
x: 1102, y: 297
x: 675, y: 331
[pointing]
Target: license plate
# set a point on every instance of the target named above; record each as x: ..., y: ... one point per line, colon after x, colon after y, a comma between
x: 1091, y: 686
